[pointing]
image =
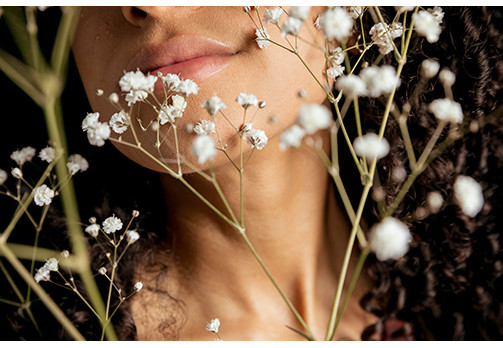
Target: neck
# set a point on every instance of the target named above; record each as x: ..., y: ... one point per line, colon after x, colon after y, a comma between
x: 285, y: 217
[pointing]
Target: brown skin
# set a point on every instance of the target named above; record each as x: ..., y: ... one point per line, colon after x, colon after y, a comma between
x: 299, y: 232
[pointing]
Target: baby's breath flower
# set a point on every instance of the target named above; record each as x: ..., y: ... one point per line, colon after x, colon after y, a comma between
x: 43, y: 274
x: 187, y: 87
x: 102, y: 270
x: 379, y: 35
x: 65, y: 254
x: 379, y: 80
x: 354, y: 11
x: 213, y: 325
x: 24, y: 155
x: 17, y: 173
x: 256, y: 138
x: 429, y: 68
x: 136, y: 213
x: 291, y: 26
x: 135, y: 96
x: 247, y: 100
x: 204, y: 148
x: 446, y: 110
x: 98, y: 133
x: 213, y: 105
x: 390, y: 239
x: 119, y: 122
x: 313, y: 117
x: 77, y: 163
x: 291, y: 137
x: 300, y: 12
x: 262, y: 38
x: 447, y: 77
x: 171, y: 112
x: 171, y: 81
x: 51, y: 264
x: 204, y: 127
x: 469, y: 195
x: 437, y: 13
x: 43, y: 195
x: 112, y: 224
x: 99, y: 92
x: 336, y: 23
x: 336, y: 60
x: 3, y: 176
x: 427, y: 25
x: 435, y: 201
x: 93, y: 230
x: 371, y: 146
x: 138, y: 286
x: 114, y: 98
x: 272, y: 15
x: 47, y: 154
x: 351, y: 85
x: 137, y: 81
x: 132, y: 236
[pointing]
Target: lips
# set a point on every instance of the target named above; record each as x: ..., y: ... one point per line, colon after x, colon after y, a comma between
x: 192, y: 57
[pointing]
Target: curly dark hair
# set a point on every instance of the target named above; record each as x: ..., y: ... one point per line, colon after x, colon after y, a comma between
x: 449, y: 285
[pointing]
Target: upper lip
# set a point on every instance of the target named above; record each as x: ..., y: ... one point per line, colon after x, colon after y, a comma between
x: 176, y: 50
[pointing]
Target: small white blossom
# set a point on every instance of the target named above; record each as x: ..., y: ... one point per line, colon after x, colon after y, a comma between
x: 381, y: 38
x: 135, y: 213
x: 77, y: 163
x: 213, y: 105
x: 187, y: 87
x: 437, y: 13
x: 247, y: 100
x: 371, y: 146
x: 291, y: 137
x: 47, y: 154
x: 336, y: 23
x: 119, y: 122
x: 272, y: 15
x: 435, y: 201
x: 135, y: 96
x: 313, y: 117
x: 256, y: 138
x: 138, y: 286
x: 469, y: 195
x: 336, y: 60
x: 51, y: 264
x: 114, y: 98
x: 351, y: 85
x: 112, y: 224
x: 262, y: 38
x: 171, y: 112
x: 3, y: 176
x: 65, y: 254
x: 447, y: 77
x: 379, y: 80
x: 204, y: 148
x: 204, y: 127
x: 354, y: 11
x: 43, y: 274
x: 24, y: 155
x: 98, y: 133
x: 132, y: 236
x: 171, y: 81
x: 93, y: 230
x: 446, y: 110
x: 390, y: 239
x: 102, y: 270
x: 291, y: 26
x: 429, y: 68
x: 17, y: 173
x: 213, y: 325
x: 427, y: 25
x: 43, y: 195
x: 300, y: 12
x: 137, y: 81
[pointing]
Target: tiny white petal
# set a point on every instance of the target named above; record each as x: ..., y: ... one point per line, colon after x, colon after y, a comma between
x: 469, y: 196
x: 390, y: 239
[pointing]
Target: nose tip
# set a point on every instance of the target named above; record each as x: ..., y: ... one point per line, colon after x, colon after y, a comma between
x: 138, y: 15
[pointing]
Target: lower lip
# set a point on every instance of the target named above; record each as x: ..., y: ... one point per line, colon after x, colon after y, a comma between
x: 196, y: 69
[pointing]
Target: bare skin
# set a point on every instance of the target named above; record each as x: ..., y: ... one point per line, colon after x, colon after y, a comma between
x: 290, y: 212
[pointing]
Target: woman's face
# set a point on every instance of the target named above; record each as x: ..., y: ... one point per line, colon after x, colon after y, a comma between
x: 112, y: 40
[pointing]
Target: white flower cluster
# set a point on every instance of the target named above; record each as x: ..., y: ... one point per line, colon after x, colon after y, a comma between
x: 371, y: 146
x: 262, y: 38
x: 336, y: 23
x: 77, y: 163
x: 379, y: 33
x: 213, y: 105
x: 336, y: 59
x: 44, y: 273
x: 256, y: 138
x: 24, y: 155
x: 169, y: 113
x: 137, y: 85
x: 296, y: 17
x: 43, y: 195
x: 47, y: 154
x: 184, y: 86
x: 469, y: 196
x: 247, y: 100
x: 427, y: 23
x: 390, y: 239
x: 97, y: 132
x: 354, y: 11
x: 112, y: 224
x: 119, y: 122
x: 446, y: 110
x: 371, y: 82
x: 204, y: 127
x: 272, y: 15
